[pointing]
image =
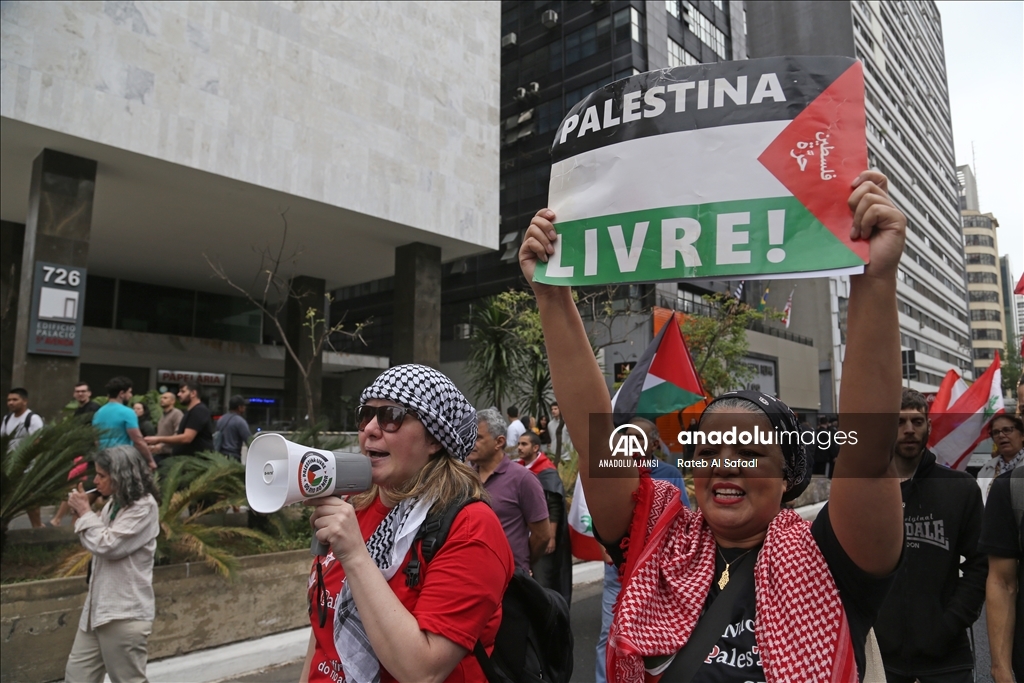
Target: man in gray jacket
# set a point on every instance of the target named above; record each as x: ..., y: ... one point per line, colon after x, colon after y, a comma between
x: 233, y: 429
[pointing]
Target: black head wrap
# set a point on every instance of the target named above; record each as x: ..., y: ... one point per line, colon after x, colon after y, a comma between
x: 797, y: 469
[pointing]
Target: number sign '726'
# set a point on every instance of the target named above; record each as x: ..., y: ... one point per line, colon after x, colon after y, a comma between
x: 58, y: 298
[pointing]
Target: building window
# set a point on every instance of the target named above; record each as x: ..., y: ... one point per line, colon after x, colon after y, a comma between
x: 99, y: 301
x: 986, y: 315
x: 589, y: 40
x: 979, y: 241
x: 987, y: 335
x: 988, y: 297
x: 985, y: 354
x: 719, y: 4
x: 229, y: 318
x: 549, y: 115
x: 629, y: 25
x: 981, y: 259
x: 982, y: 278
x: 977, y: 222
x: 677, y: 56
x: 672, y: 7
x: 155, y: 309
x: 702, y: 27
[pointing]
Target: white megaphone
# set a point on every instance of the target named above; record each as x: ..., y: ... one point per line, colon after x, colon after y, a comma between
x: 279, y: 472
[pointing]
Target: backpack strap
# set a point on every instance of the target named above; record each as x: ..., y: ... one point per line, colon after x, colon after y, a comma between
x: 431, y: 536
x: 490, y: 673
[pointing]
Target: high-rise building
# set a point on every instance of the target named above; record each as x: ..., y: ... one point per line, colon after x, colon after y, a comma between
x: 992, y: 315
x: 910, y: 139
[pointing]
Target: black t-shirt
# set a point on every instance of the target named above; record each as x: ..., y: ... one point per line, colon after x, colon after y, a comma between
x: 199, y: 419
x: 87, y: 411
x: 1001, y: 536
x: 736, y: 658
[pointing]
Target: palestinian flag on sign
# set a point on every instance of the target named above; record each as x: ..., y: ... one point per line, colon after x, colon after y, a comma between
x: 663, y: 381
x: 725, y: 170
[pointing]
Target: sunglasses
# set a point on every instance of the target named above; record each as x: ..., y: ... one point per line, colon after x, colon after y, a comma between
x: 389, y: 418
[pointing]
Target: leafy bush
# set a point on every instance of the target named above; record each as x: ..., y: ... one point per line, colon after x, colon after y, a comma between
x: 36, y: 472
x: 193, y: 488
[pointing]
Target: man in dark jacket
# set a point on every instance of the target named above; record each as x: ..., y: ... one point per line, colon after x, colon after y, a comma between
x: 922, y: 627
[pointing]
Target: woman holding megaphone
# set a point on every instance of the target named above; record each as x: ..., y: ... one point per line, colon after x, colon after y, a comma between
x: 371, y: 620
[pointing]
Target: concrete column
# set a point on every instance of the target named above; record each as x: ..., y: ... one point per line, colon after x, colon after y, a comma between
x: 12, y: 243
x: 306, y: 293
x: 57, y: 230
x: 657, y: 34
x: 417, y: 322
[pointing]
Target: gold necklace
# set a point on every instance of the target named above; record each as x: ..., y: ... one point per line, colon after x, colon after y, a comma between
x: 723, y: 581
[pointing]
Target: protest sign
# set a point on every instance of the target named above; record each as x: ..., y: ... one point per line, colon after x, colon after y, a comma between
x: 726, y: 170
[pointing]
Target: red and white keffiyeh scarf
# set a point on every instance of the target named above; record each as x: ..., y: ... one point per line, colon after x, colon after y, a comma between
x: 800, y: 626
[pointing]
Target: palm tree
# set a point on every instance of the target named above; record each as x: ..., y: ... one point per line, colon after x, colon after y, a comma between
x: 36, y: 472
x: 497, y: 354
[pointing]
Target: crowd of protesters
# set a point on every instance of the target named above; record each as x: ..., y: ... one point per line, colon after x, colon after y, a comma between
x: 885, y: 583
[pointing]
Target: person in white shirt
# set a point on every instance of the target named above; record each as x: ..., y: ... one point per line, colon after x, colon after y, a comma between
x: 516, y: 429
x: 1007, y: 432
x: 17, y: 424
x: 19, y: 421
x: 117, y: 617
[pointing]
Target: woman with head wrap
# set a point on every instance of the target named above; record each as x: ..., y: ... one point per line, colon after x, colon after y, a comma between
x: 802, y: 597
x: 371, y: 621
x: 117, y: 617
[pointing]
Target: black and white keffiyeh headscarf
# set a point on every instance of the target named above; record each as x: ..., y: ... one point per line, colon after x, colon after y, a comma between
x: 442, y: 408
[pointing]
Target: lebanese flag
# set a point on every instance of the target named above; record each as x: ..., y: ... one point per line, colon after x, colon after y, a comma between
x: 961, y: 426
x: 663, y: 381
x: 952, y: 388
x: 581, y: 528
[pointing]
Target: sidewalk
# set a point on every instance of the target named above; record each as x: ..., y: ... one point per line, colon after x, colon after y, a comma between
x: 238, y: 659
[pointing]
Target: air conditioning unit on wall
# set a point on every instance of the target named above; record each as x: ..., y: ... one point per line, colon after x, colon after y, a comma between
x: 508, y: 40
x: 549, y: 19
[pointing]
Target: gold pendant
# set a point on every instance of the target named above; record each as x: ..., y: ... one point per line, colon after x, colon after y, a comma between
x: 724, y: 581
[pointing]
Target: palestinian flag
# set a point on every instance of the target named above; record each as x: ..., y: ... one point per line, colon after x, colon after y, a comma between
x: 960, y: 422
x: 663, y: 381
x: 728, y: 170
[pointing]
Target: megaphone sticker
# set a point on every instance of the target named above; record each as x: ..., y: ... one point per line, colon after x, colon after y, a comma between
x: 313, y: 474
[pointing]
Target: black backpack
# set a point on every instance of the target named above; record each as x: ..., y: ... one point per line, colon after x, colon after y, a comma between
x: 534, y: 642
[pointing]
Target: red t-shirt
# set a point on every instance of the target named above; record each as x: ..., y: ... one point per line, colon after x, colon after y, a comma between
x: 458, y: 595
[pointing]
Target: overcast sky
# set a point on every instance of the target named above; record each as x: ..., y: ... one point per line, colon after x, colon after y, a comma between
x: 985, y: 67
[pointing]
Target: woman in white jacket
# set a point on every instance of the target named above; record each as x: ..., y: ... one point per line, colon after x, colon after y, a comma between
x: 117, y: 617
